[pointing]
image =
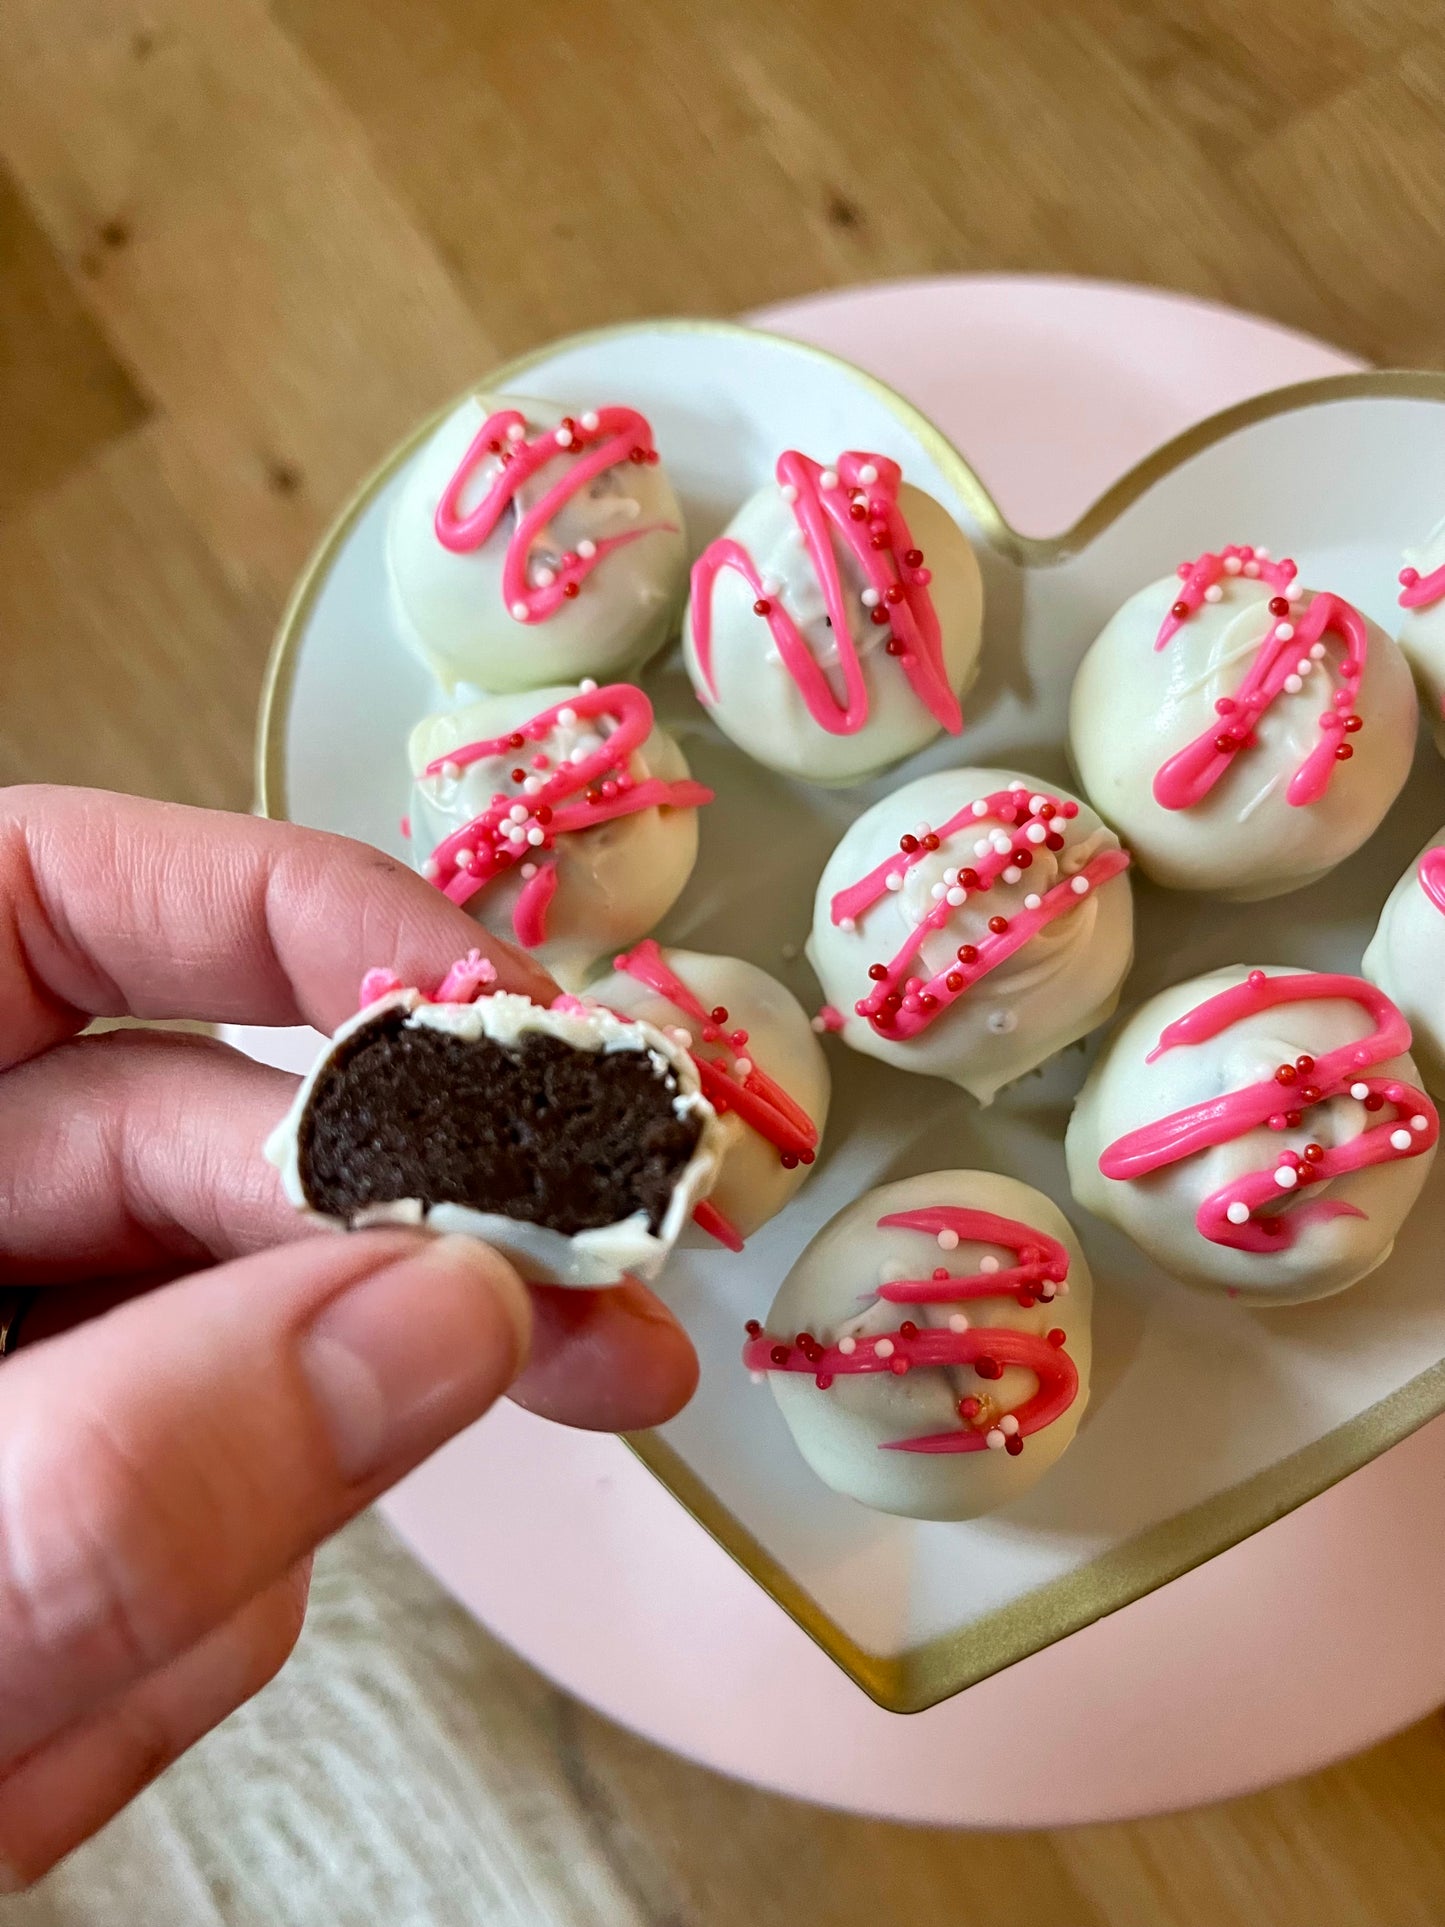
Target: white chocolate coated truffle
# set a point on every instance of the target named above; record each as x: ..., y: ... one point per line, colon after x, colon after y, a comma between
x: 469, y: 618
x: 1016, y: 1003
x: 613, y: 881
x: 846, y: 1429
x: 1135, y: 708
x: 767, y: 678
x: 753, y: 1184
x: 1183, y: 1212
x: 1422, y: 628
x: 1406, y: 957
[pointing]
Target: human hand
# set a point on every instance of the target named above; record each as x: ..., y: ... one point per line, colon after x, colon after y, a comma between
x: 207, y: 1386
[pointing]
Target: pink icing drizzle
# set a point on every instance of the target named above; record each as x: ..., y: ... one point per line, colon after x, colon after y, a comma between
x: 1421, y: 591
x: 1188, y: 777
x: 866, y: 517
x: 463, y: 983
x: 763, y: 1105
x: 1298, y: 1086
x: 900, y: 1005
x: 470, y: 858
x: 1041, y: 1270
x: 1432, y: 877
x: 597, y: 443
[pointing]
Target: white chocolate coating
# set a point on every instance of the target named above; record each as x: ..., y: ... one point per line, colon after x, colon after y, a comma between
x: 1134, y: 706
x: 760, y: 706
x: 603, y: 1256
x: 841, y: 1431
x: 451, y: 607
x: 753, y: 1185
x: 613, y: 882
x: 1124, y: 1092
x: 1406, y: 958
x: 1422, y: 635
x: 1058, y: 987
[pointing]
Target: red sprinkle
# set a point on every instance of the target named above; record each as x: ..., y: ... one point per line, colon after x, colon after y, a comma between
x: 762, y: 607
x: 1057, y: 1336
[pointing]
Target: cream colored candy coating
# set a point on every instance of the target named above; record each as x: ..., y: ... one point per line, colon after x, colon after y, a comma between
x: 829, y: 1292
x: 613, y: 882
x: 1056, y: 988
x: 1134, y: 706
x: 760, y: 706
x: 451, y: 606
x: 1406, y: 958
x: 602, y: 1256
x: 753, y: 1185
x: 1124, y: 1092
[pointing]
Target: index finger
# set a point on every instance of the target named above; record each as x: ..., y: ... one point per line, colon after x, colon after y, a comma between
x: 114, y: 906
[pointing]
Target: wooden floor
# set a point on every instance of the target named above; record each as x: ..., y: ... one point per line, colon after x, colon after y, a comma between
x: 242, y: 247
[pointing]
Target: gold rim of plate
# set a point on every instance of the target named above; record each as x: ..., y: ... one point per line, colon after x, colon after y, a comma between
x: 921, y: 1676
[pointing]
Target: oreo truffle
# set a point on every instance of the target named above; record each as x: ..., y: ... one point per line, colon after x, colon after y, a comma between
x: 573, y: 1140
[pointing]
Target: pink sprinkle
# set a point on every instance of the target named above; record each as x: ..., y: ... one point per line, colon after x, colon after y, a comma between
x: 377, y: 984
x: 828, y: 1018
x: 406, y: 828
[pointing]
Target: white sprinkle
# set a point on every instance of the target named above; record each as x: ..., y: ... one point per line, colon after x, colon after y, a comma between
x: 870, y: 598
x: 980, y: 808
x: 1036, y: 803
x: 536, y: 837
x: 847, y: 1346
x: 1231, y: 565
x: 1261, y: 552
x: 939, y: 892
x: 1013, y: 874
x: 744, y: 1067
x: 1003, y: 1021
x: 544, y: 577
x: 1214, y: 593
x: 758, y: 1378
x: 789, y: 491
x: 519, y: 611
x: 1285, y: 631
x: 989, y: 1264
x: 1002, y: 843
x: 1036, y: 833
x: 1294, y: 684
x: 1418, y: 1123
x: 1008, y: 1425
x: 1294, y: 591
x: 564, y: 438
x: 893, y: 880
x: 923, y: 829
x: 516, y: 433
x: 868, y: 475
x: 431, y: 869
x: 590, y: 420
x: 1359, y: 1091
x: 947, y: 1240
x: 884, y: 1348
x: 588, y: 683
x: 463, y: 859
x: 527, y: 872
x: 515, y: 833
x: 1401, y: 1140
x: 982, y: 847
x: 1304, y: 667
x: 848, y: 925
x: 1250, y: 568
x: 681, y: 1036
x: 451, y: 771
x: 957, y: 897
x: 994, y: 1439
x: 958, y: 1321
x: 950, y: 877
x: 1033, y: 901
x: 532, y: 786
x: 587, y: 548
x: 1238, y: 1212
x: 1286, y: 1177
x: 518, y: 812
x: 1079, y: 886
x: 771, y: 585
x: 828, y: 479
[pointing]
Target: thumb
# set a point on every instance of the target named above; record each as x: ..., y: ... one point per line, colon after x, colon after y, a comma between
x: 166, y: 1463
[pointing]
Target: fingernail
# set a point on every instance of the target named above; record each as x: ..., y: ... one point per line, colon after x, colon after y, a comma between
x: 414, y: 1352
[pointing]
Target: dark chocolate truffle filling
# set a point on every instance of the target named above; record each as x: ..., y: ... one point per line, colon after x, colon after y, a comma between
x: 538, y: 1130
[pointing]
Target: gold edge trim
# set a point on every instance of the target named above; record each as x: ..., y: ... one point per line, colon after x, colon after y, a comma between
x: 922, y: 1676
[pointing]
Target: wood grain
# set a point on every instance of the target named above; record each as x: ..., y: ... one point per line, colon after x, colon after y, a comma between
x: 241, y: 248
